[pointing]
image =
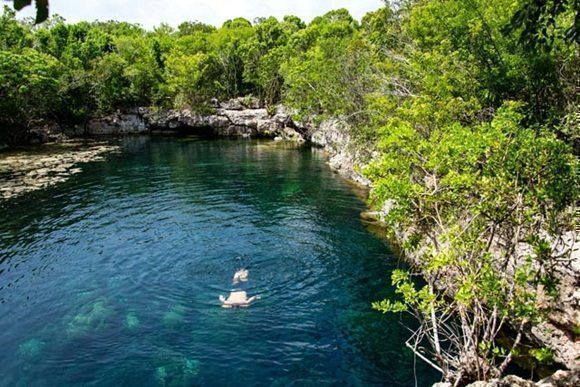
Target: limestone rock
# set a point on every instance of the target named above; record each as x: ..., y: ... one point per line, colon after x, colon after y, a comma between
x: 241, y: 103
x: 248, y: 117
x: 48, y: 133
x: 24, y: 172
x: 345, y: 157
x: 233, y: 104
x: 561, y: 379
x: 243, y: 117
x: 508, y: 381
x: 118, y: 123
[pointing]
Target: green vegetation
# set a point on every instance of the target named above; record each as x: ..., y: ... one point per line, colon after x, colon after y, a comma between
x: 477, y: 161
x: 470, y: 107
x: 544, y: 355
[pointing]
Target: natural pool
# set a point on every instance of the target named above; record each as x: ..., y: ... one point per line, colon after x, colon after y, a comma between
x: 113, y: 277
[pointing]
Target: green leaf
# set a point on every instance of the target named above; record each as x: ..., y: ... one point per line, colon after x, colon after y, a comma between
x: 543, y: 355
x: 388, y: 306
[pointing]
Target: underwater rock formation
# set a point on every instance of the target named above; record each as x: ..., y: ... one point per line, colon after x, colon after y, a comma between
x: 174, y: 317
x: 174, y: 369
x: 132, y: 321
x: 31, y: 349
x: 91, y: 318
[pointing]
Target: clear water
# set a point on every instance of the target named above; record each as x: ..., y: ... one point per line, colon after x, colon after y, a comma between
x: 113, y: 277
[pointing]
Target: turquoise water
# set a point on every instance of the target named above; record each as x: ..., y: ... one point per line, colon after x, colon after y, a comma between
x: 113, y: 277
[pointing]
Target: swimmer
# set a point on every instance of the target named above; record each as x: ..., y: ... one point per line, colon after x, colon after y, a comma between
x: 237, y: 299
x: 240, y: 276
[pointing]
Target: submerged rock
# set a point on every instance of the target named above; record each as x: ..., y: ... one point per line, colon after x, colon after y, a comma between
x: 132, y: 321
x: 190, y: 367
x: 174, y: 369
x: 22, y: 172
x: 93, y: 317
x: 175, y: 316
x: 31, y: 349
x: 161, y: 376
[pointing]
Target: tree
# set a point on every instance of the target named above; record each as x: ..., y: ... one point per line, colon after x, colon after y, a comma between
x: 541, y: 21
x: 28, y: 90
x: 110, y: 83
x: 265, y: 52
x: 192, y: 28
x: 142, y: 70
x: 468, y: 194
x: 228, y: 43
x: 470, y: 178
x: 330, y: 70
x: 192, y: 79
x: 13, y: 35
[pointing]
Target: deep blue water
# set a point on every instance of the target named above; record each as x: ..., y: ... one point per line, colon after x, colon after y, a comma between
x: 113, y: 277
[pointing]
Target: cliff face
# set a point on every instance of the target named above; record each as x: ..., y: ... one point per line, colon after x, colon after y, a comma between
x: 233, y: 118
x: 241, y: 118
x: 344, y: 154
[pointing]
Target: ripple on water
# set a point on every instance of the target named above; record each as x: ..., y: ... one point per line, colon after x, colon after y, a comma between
x: 113, y: 277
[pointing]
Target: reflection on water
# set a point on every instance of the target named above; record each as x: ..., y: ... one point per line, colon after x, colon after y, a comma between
x: 113, y: 277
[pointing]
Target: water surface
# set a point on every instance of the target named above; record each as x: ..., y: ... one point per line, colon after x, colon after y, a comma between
x: 113, y: 277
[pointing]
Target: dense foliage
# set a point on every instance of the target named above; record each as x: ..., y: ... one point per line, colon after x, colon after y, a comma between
x: 469, y: 110
x: 478, y: 169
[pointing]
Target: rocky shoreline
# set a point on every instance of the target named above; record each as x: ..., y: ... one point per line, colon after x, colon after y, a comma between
x: 237, y: 117
x: 23, y: 172
x: 240, y: 117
